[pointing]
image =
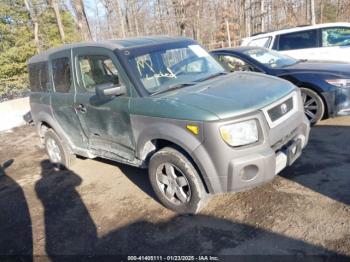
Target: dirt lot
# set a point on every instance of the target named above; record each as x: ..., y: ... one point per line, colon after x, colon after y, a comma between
x: 103, y: 208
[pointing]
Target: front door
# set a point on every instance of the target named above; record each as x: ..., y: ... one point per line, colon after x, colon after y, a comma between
x: 106, y: 121
x: 62, y: 98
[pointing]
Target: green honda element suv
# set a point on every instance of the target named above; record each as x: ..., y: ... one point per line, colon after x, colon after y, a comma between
x: 165, y: 104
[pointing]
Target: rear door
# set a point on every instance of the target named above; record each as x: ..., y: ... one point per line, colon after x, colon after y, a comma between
x: 105, y: 121
x: 300, y: 45
x: 62, y: 97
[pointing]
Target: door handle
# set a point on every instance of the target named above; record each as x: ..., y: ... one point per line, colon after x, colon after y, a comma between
x: 81, y: 108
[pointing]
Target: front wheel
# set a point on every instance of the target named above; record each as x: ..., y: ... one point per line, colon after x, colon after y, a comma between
x: 313, y: 105
x: 176, y: 182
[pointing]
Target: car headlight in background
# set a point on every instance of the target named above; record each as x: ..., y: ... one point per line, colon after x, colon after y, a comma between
x: 343, y: 83
x: 240, y: 134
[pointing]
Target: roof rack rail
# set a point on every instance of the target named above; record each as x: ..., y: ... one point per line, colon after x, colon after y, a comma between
x: 284, y: 28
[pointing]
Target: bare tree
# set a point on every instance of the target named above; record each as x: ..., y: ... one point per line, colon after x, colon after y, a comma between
x: 312, y: 11
x: 83, y: 23
x: 54, y: 5
x: 34, y: 19
x: 205, y: 20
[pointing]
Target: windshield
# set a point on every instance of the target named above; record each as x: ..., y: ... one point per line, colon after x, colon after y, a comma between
x: 168, y: 67
x: 270, y: 59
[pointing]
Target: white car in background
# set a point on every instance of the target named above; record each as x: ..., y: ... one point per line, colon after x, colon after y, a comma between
x: 319, y: 42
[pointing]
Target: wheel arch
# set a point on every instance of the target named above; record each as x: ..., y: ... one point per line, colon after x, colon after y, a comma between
x: 327, y: 104
x: 44, y: 122
x: 160, y: 143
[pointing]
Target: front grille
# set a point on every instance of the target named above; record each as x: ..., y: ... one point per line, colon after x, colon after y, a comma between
x: 281, y: 109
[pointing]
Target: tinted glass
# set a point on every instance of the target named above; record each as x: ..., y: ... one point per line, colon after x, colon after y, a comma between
x: 336, y: 36
x: 168, y: 66
x: 38, y: 76
x: 61, y: 74
x: 96, y: 69
x: 299, y: 40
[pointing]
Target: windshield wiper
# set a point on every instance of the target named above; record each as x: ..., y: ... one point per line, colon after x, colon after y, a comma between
x: 172, y: 88
x: 211, y: 76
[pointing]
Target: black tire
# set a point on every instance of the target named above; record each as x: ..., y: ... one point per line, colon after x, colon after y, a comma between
x: 313, y: 105
x: 66, y: 157
x: 196, y: 195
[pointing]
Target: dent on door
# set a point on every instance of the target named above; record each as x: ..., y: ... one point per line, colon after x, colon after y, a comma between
x: 107, y: 124
x: 105, y: 120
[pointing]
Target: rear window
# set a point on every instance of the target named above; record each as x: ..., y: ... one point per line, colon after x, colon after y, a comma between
x: 261, y: 42
x: 298, y: 40
x: 38, y: 77
x: 61, y: 74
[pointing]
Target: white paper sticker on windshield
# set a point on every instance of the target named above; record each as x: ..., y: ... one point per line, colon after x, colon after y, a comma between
x: 198, y: 50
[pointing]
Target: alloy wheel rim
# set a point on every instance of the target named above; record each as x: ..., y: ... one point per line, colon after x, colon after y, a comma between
x: 173, y: 184
x: 53, y: 150
x: 311, y: 106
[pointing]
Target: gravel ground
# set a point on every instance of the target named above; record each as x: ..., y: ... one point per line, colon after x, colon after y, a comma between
x: 100, y: 207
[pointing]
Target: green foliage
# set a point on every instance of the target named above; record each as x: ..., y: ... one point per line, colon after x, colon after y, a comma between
x: 48, y: 31
x: 16, y: 45
x: 17, y: 41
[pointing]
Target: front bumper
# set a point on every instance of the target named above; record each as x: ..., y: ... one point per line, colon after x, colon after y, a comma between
x: 342, y: 102
x: 338, y: 102
x: 227, y: 169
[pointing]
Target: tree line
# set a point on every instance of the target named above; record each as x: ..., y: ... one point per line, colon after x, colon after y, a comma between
x: 28, y: 27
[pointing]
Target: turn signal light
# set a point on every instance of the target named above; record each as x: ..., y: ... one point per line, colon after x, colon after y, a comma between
x: 193, y: 129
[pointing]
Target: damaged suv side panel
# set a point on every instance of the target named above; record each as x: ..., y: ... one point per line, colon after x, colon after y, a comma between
x: 165, y: 104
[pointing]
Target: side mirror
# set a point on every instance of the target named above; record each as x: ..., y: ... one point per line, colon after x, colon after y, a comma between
x: 109, y: 89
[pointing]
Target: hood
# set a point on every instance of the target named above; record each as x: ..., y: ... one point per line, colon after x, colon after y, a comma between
x: 338, y: 68
x: 232, y: 94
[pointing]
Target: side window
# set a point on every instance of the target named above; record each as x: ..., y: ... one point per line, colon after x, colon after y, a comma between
x: 96, y: 70
x: 38, y: 76
x: 299, y: 40
x: 34, y: 78
x: 233, y: 64
x: 335, y: 36
x: 261, y: 42
x: 61, y: 74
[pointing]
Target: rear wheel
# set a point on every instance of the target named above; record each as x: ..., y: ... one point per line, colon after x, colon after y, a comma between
x: 59, y: 154
x: 313, y: 105
x: 176, y: 182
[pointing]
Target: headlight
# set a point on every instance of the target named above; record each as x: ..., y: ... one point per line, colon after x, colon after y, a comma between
x: 339, y: 82
x: 240, y: 134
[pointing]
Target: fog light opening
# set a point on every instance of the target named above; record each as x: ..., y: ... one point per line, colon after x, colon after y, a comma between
x: 249, y: 172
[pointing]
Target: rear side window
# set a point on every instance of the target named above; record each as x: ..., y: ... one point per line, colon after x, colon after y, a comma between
x: 298, y: 40
x: 38, y: 77
x: 336, y: 36
x: 261, y: 42
x: 61, y: 74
